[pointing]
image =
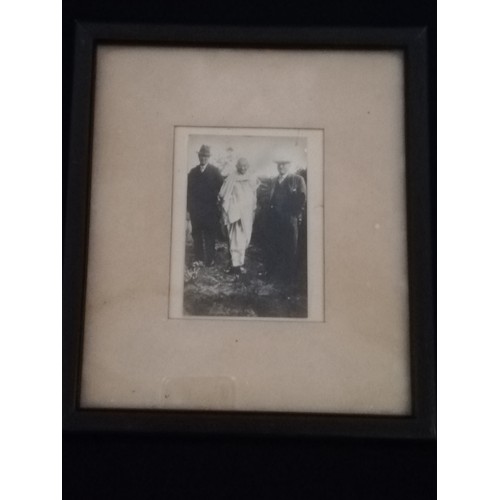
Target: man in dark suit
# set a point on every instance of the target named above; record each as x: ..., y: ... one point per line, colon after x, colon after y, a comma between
x: 286, y: 209
x: 204, y: 183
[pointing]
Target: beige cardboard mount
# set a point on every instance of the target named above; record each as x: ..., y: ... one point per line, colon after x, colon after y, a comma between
x: 355, y: 358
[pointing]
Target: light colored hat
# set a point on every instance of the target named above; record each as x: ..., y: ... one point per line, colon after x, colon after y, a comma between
x: 282, y: 162
x: 204, y: 150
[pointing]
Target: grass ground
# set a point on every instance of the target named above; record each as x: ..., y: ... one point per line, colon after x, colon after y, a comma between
x: 210, y: 291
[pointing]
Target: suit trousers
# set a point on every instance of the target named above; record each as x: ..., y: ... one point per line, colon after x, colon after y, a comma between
x: 204, y: 232
x: 283, y: 246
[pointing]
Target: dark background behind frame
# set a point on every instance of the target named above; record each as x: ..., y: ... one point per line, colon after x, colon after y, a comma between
x: 141, y: 466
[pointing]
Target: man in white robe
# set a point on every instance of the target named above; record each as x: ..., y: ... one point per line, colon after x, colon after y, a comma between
x: 239, y: 201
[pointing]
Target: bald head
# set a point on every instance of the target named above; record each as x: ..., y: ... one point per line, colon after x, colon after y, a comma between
x: 242, y: 165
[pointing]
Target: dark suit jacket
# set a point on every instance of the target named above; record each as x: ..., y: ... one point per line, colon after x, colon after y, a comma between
x: 295, y: 195
x: 202, y: 192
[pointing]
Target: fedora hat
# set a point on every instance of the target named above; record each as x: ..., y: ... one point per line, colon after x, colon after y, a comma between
x: 204, y: 150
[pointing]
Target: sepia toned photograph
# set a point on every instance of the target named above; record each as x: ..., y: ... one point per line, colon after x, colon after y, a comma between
x: 246, y: 225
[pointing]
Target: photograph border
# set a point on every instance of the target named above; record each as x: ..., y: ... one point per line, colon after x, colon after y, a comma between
x: 321, y: 303
x: 422, y: 421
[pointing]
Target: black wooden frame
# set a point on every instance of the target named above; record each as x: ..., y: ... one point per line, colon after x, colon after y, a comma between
x: 421, y: 423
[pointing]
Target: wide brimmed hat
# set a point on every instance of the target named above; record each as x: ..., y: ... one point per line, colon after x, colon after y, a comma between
x: 282, y: 162
x: 204, y: 150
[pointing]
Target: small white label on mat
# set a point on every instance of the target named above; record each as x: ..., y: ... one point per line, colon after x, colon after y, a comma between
x: 198, y: 393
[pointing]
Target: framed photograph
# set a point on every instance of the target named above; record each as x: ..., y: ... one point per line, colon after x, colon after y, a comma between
x: 247, y: 243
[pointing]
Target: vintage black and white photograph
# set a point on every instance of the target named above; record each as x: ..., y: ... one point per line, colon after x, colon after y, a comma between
x: 245, y: 224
